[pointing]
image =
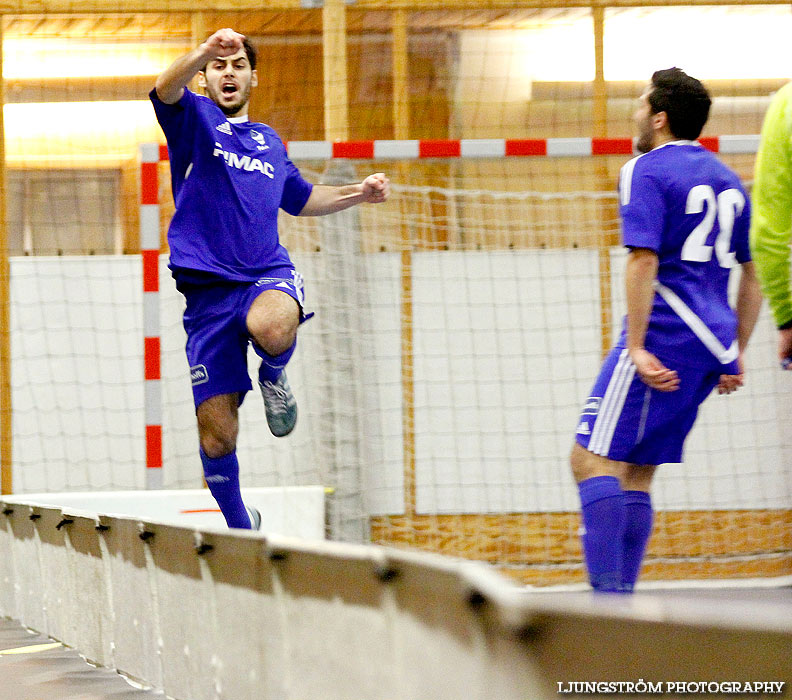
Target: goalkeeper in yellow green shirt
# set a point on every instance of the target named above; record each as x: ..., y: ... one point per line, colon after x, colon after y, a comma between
x: 771, y: 218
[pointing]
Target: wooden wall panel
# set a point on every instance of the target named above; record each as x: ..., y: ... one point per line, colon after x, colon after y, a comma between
x: 290, y: 94
x: 544, y: 548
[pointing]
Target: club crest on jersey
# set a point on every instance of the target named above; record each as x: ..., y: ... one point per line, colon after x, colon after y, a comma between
x: 246, y: 163
x: 259, y: 139
x: 592, y: 406
x: 198, y: 374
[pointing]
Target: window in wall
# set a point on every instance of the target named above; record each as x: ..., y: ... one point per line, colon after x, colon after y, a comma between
x: 64, y: 212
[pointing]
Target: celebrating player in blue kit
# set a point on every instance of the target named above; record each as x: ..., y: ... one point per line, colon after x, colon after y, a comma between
x: 230, y: 176
x: 685, y: 219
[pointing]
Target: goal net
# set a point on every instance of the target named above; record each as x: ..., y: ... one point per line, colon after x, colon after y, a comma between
x: 458, y: 329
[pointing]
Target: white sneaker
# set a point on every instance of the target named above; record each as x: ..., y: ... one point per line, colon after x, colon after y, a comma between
x: 255, y: 518
x: 280, y: 405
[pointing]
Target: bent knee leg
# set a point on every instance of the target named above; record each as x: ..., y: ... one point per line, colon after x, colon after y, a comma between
x: 218, y: 425
x: 275, y: 340
x: 273, y: 320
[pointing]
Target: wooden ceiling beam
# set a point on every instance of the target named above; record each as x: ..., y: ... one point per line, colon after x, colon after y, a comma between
x: 631, y: 89
x: 38, y: 7
x: 449, y: 5
x: 32, y: 90
x: 69, y: 7
x: 137, y: 87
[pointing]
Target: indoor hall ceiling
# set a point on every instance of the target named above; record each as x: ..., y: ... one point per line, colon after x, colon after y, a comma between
x: 176, y: 25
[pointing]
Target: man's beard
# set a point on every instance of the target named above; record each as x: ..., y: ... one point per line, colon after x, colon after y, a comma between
x: 234, y: 107
x: 644, y: 143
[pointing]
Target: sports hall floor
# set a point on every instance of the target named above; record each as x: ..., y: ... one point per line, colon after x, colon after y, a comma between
x: 32, y: 667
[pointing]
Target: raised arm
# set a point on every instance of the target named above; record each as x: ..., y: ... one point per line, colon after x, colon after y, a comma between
x: 171, y: 83
x: 326, y: 199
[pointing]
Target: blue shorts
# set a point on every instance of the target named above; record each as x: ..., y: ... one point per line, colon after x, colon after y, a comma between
x: 216, y: 324
x: 627, y: 421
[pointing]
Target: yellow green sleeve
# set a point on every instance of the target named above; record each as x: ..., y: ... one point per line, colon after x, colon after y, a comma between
x: 771, y: 216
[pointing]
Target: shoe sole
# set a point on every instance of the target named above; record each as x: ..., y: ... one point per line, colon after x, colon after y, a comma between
x: 283, y: 434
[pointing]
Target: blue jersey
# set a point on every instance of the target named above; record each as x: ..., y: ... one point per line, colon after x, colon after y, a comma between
x: 681, y: 202
x: 229, y: 177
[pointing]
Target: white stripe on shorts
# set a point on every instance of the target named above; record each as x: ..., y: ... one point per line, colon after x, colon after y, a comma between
x: 612, y: 405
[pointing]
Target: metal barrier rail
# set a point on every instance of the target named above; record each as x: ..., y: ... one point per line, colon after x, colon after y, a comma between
x: 208, y: 614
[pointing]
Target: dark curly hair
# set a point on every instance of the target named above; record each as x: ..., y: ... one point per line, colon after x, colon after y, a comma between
x: 685, y: 101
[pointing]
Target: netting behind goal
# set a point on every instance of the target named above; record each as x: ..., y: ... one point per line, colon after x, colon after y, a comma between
x: 458, y: 330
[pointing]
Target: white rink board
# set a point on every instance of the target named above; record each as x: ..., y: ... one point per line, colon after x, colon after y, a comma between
x: 290, y: 511
x: 335, y: 621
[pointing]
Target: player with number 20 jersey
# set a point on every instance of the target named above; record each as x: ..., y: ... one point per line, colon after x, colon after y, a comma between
x: 685, y: 221
x: 684, y: 204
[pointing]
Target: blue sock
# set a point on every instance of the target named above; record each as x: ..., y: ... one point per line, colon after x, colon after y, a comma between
x: 272, y: 365
x: 638, y: 507
x: 222, y: 478
x: 603, y: 540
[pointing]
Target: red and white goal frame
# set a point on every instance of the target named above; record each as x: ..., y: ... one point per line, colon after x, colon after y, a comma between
x: 151, y: 154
